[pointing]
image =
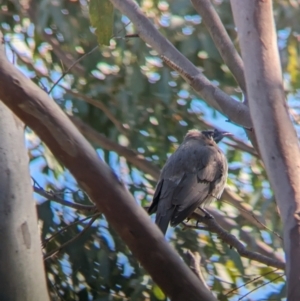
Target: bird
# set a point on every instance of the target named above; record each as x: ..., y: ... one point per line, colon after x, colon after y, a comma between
x: 193, y: 176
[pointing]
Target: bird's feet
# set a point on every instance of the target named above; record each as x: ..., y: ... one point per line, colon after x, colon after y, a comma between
x: 206, y: 214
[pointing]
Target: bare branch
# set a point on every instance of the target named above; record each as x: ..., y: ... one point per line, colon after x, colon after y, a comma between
x: 245, y: 209
x: 131, y: 156
x: 22, y: 271
x: 276, y: 137
x: 67, y: 58
x: 222, y: 40
x: 261, y: 285
x: 72, y: 66
x: 55, y: 198
x: 219, y: 100
x: 100, y: 105
x: 256, y: 245
x: 250, y: 281
x: 231, y: 240
x: 145, y: 240
x: 46, y: 241
x: 58, y: 249
x: 240, y: 145
x: 195, y: 260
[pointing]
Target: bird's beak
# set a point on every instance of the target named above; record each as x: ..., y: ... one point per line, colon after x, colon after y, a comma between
x: 227, y: 134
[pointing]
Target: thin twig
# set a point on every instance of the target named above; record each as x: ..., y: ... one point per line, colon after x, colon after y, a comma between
x: 250, y: 281
x: 47, y: 240
x: 130, y: 155
x: 79, y: 95
x: 58, y: 249
x: 78, y: 60
x: 100, y: 105
x: 52, y: 196
x: 259, y: 286
x: 68, y: 70
x: 263, y: 225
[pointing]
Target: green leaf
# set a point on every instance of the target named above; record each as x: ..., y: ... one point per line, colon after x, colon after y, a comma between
x: 101, y: 16
x: 158, y: 293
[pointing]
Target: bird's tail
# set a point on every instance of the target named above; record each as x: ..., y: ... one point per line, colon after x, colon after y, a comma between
x: 163, y: 220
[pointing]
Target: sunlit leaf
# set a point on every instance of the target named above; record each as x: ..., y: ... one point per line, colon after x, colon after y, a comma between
x: 158, y: 292
x: 101, y: 16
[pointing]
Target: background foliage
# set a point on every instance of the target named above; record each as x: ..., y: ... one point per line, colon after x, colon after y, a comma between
x: 126, y: 93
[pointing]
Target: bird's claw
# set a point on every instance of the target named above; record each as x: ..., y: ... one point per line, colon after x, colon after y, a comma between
x: 206, y: 214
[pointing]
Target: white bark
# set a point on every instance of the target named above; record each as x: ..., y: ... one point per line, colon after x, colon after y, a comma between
x: 276, y: 137
x: 22, y: 275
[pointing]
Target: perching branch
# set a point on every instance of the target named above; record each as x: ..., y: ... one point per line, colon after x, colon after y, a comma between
x: 34, y: 107
x: 256, y: 245
x: 141, y: 163
x: 213, y: 226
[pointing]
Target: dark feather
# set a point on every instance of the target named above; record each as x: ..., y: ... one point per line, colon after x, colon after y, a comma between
x: 193, y: 176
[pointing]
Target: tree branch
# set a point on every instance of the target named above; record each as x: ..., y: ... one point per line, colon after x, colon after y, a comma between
x: 145, y: 240
x: 236, y: 111
x: 140, y: 162
x: 213, y: 226
x: 245, y: 210
x: 195, y: 260
x: 98, y: 104
x: 67, y: 58
x: 130, y: 155
x: 58, y: 249
x: 221, y: 39
x: 256, y: 245
x: 277, y: 139
x: 47, y: 240
x: 55, y: 198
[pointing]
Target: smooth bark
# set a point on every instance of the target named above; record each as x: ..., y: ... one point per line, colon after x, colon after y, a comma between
x: 221, y: 39
x: 34, y: 107
x: 234, y: 110
x: 276, y: 136
x: 22, y: 274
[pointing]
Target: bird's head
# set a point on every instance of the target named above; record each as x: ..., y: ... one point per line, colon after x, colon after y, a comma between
x: 216, y: 135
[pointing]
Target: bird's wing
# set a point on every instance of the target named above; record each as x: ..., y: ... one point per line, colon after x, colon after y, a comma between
x: 186, y: 182
x: 188, y: 195
x: 153, y: 207
x: 201, y: 170
x: 162, y: 203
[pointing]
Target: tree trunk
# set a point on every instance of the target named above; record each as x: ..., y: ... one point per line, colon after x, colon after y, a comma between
x: 22, y: 275
x: 276, y: 137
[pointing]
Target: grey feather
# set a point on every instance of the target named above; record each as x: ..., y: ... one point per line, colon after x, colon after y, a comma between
x: 192, y: 177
